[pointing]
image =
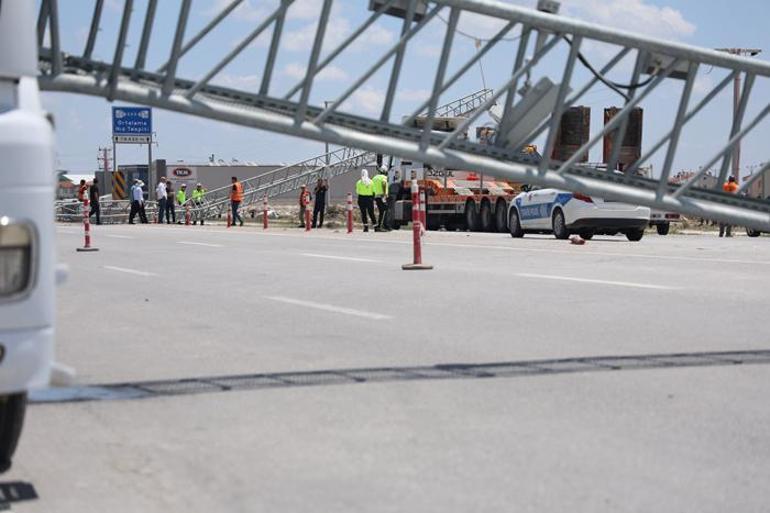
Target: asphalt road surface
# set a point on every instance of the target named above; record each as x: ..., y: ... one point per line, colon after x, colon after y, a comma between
x: 239, y: 371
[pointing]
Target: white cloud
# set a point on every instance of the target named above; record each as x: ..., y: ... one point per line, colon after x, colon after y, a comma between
x: 368, y: 100
x: 413, y: 95
x: 430, y: 51
x: 246, y: 11
x: 241, y: 82
x: 633, y: 15
x: 329, y: 73
x: 305, y: 10
x: 376, y: 35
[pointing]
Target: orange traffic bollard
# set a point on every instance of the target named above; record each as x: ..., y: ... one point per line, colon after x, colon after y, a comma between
x: 229, y: 219
x: 264, y: 213
x: 416, y: 264
x: 87, y: 227
x: 349, y: 208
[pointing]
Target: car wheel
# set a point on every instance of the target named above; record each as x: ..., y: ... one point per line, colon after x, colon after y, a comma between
x: 12, y: 409
x: 559, y: 225
x: 501, y: 221
x: 587, y: 235
x: 486, y: 217
x: 471, y: 217
x: 515, y: 225
x: 635, y: 235
x: 662, y: 228
x: 753, y: 233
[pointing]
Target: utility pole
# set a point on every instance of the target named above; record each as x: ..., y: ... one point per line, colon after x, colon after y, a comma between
x: 750, y: 52
x: 104, y: 158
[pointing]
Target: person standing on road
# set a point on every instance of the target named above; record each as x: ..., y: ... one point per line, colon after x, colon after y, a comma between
x: 365, y: 193
x: 170, y: 199
x: 160, y: 196
x: 380, y: 186
x: 236, y: 197
x: 304, y: 201
x: 181, y: 198
x: 319, y: 207
x: 82, y: 190
x: 197, y: 201
x: 394, y: 191
x: 730, y: 187
x: 93, y: 198
x: 137, y: 203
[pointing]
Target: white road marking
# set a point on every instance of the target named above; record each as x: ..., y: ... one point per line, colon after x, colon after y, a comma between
x: 200, y: 244
x: 333, y: 257
x: 118, y: 236
x: 579, y: 252
x: 129, y: 271
x: 597, y: 282
x: 329, y: 308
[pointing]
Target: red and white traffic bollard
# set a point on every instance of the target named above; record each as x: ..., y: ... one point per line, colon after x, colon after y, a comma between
x: 187, y: 215
x: 264, y: 213
x: 417, y: 264
x: 229, y: 219
x: 349, y: 208
x: 307, y: 218
x: 423, y: 212
x: 87, y: 228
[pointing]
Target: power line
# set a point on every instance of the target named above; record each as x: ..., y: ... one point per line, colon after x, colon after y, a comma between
x: 477, y: 38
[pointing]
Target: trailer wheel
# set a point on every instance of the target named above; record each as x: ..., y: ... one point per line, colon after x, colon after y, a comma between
x: 753, y: 233
x: 486, y: 216
x: 12, y: 409
x: 471, y: 217
x: 663, y: 228
x: 501, y: 221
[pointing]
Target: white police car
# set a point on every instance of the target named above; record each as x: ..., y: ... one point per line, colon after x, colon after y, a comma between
x: 563, y: 213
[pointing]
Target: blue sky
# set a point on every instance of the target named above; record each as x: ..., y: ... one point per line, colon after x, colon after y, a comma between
x: 84, y: 124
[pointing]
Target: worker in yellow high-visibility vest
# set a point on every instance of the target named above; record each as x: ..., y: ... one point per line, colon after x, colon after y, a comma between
x: 197, y: 203
x: 380, y: 185
x: 365, y: 193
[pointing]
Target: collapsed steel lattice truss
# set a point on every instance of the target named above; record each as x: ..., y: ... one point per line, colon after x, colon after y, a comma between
x: 280, y: 181
x: 291, y: 112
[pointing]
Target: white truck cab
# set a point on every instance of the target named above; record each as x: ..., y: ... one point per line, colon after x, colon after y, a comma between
x: 27, y: 265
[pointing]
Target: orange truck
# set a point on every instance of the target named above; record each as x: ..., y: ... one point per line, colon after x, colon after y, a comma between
x: 458, y: 199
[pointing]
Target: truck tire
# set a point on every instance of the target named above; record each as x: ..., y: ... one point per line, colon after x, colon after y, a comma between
x: 515, y: 225
x: 501, y: 215
x: 635, y: 235
x: 471, y: 217
x: 663, y: 228
x: 753, y: 233
x: 559, y: 225
x: 485, y: 217
x: 12, y: 409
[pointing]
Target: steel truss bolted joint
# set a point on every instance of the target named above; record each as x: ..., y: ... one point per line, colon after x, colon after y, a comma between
x: 549, y: 6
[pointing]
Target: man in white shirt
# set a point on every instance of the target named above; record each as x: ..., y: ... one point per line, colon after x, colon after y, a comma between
x: 160, y: 196
x: 137, y: 203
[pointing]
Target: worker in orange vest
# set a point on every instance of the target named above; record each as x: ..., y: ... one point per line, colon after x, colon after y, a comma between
x: 236, y: 197
x: 730, y: 187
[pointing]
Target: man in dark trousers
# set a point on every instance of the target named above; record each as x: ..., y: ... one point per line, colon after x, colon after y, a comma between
x: 170, y: 199
x: 394, y: 194
x: 93, y: 198
x: 137, y: 203
x: 319, y: 207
